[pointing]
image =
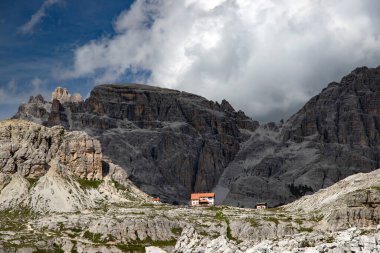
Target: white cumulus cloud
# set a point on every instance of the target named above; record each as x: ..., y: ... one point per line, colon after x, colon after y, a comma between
x: 267, y: 57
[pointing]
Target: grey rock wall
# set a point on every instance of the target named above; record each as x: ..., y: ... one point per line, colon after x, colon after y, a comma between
x: 172, y: 143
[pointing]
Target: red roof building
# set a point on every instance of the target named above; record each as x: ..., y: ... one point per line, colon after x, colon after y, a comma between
x: 156, y: 200
x: 206, y: 199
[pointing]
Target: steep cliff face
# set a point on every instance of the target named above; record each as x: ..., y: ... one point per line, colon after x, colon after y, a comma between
x: 28, y: 148
x: 336, y: 134
x: 175, y: 140
x: 171, y: 143
x: 346, y: 113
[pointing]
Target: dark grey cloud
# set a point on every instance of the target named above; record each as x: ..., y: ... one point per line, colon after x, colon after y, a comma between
x: 266, y: 57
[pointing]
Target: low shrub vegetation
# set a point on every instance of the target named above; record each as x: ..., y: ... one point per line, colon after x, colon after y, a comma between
x: 253, y: 222
x: 304, y: 229
x: 176, y: 231
x: 272, y: 219
x: 220, y: 216
x: 88, y: 184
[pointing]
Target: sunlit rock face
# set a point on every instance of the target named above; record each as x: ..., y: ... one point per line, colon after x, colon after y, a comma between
x: 60, y: 94
x: 63, y: 96
x: 27, y: 148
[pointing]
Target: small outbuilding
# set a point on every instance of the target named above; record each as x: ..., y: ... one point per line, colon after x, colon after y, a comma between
x: 262, y: 205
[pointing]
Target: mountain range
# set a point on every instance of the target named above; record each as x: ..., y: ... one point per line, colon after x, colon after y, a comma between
x: 78, y: 175
x: 172, y: 143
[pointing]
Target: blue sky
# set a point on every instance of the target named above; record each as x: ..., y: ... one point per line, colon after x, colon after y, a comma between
x: 266, y: 57
x: 34, y: 57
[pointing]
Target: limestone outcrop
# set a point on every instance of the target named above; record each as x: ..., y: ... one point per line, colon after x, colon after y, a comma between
x: 60, y: 190
x: 350, y: 240
x: 352, y: 202
x: 76, y: 98
x: 60, y: 94
x: 82, y: 154
x: 63, y: 96
x: 27, y: 148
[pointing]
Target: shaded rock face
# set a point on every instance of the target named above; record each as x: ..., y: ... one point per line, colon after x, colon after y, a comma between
x: 57, y: 115
x: 171, y: 143
x: 28, y: 148
x: 346, y: 113
x: 336, y: 134
x: 36, y: 110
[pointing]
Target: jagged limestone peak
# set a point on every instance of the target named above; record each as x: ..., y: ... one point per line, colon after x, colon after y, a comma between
x: 63, y: 96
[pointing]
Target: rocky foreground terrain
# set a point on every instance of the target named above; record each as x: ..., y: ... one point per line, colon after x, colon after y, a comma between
x: 172, y: 143
x: 61, y: 210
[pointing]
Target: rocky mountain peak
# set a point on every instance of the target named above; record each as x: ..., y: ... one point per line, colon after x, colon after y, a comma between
x: 335, y: 134
x: 60, y: 94
x: 227, y: 106
x: 346, y: 112
x: 63, y: 96
x: 76, y: 98
x: 39, y: 99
